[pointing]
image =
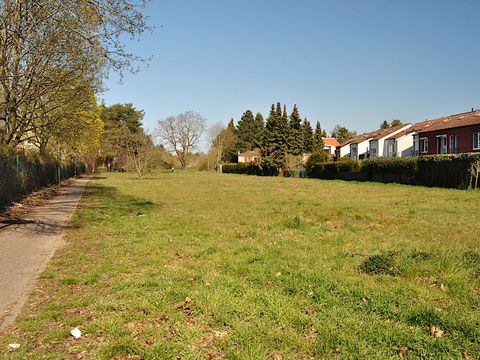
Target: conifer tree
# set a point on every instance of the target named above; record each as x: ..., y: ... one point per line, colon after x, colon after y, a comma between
x: 274, y: 139
x: 307, y: 136
x: 249, y: 131
x: 317, y: 139
x: 384, y: 125
x: 230, y: 151
x: 296, y: 134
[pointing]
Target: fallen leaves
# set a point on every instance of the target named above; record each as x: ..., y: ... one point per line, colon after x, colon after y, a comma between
x: 435, y: 331
x: 403, y: 351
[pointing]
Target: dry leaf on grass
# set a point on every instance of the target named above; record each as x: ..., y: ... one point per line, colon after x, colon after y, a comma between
x: 403, y: 351
x: 435, y: 331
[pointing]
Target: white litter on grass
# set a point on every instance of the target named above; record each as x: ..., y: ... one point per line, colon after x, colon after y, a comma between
x: 14, y: 346
x: 76, y: 333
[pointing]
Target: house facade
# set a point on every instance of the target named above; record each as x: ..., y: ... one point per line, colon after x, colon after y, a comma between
x: 250, y: 157
x: 381, y: 144
x: 453, y: 134
x: 330, y: 146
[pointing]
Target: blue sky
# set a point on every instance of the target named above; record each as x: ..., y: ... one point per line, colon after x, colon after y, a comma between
x: 352, y: 62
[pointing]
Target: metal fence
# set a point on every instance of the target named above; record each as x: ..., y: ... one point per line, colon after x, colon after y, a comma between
x: 20, y: 176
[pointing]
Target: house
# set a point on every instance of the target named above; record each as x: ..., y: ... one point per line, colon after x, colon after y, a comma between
x: 359, y: 146
x: 377, y: 142
x: 330, y: 146
x: 250, y: 156
x: 454, y: 134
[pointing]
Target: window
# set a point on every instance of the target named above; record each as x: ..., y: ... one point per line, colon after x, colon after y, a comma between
x: 423, y: 145
x: 476, y: 141
x: 441, y: 144
x: 454, y: 147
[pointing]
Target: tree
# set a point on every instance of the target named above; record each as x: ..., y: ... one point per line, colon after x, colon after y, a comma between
x: 52, y: 50
x: 342, y: 134
x: 181, y: 133
x: 395, y: 122
x: 222, y: 141
x: 296, y: 145
x: 318, y: 143
x: 250, y: 131
x: 384, y: 125
x: 307, y: 136
x: 275, y: 145
x: 122, y: 122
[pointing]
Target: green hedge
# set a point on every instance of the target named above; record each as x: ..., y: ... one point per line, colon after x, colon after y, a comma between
x: 20, y: 175
x: 248, y: 169
x: 449, y: 171
x: 331, y: 170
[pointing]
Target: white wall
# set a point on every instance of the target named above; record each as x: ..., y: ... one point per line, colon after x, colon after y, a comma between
x: 405, y: 145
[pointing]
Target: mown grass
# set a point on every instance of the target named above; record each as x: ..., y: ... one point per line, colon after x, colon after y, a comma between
x: 208, y: 266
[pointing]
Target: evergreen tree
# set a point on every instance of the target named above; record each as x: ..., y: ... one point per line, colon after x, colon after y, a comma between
x: 384, y: 125
x: 248, y: 132
x: 275, y: 139
x: 230, y: 152
x: 260, y: 126
x: 395, y: 122
x: 296, y: 134
x: 307, y: 136
x: 317, y: 139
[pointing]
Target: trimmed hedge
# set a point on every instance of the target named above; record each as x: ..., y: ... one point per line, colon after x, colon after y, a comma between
x: 331, y: 170
x: 448, y: 171
x: 248, y: 169
x: 19, y: 176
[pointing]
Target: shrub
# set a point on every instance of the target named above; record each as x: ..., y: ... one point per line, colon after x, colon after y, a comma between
x: 380, y: 265
x: 330, y: 170
x: 241, y: 168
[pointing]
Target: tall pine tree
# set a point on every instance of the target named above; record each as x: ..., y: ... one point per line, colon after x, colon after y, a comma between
x: 307, y: 136
x: 275, y: 138
x: 249, y: 131
x: 317, y: 139
x: 295, y: 141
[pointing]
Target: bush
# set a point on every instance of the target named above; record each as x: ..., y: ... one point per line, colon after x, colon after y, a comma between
x: 450, y: 171
x: 330, y: 170
x: 241, y: 168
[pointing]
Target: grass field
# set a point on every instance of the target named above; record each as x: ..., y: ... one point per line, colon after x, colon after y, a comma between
x: 208, y: 266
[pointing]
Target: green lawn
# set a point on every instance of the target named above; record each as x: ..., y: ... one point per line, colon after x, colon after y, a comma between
x: 207, y: 266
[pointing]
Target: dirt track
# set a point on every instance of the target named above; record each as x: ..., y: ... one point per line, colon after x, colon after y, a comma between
x: 27, y: 245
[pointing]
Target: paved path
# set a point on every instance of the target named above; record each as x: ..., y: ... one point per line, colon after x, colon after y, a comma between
x: 27, y: 245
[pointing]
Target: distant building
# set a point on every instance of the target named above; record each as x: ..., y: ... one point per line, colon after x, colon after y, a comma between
x: 250, y: 156
x: 330, y: 146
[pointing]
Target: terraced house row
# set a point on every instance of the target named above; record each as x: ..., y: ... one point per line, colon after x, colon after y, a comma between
x: 454, y: 134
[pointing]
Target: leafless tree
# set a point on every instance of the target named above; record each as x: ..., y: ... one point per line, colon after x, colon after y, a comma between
x: 221, y: 138
x: 181, y: 134
x: 475, y: 174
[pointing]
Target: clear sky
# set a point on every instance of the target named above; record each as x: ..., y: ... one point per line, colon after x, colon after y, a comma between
x: 352, y: 62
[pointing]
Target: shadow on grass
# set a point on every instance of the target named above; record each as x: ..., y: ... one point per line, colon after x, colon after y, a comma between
x: 106, y: 202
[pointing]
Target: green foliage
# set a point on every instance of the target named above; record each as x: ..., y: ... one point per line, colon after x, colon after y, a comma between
x: 330, y: 170
x: 307, y: 136
x: 275, y: 140
x: 241, y: 168
x: 342, y: 134
x: 249, y: 131
x: 451, y: 171
x: 383, y: 264
x: 296, y: 144
x: 385, y: 124
x: 317, y: 139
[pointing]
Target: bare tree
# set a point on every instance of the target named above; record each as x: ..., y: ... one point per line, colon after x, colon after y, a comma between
x: 181, y: 133
x: 474, y: 174
x: 221, y: 139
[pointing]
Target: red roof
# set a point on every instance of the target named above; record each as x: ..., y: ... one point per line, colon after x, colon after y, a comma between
x: 449, y: 122
x: 331, y: 142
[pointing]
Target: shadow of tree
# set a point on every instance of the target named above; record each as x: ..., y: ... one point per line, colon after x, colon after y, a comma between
x: 106, y: 202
